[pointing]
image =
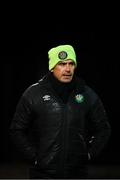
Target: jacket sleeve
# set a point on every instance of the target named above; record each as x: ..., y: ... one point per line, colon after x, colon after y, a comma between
x: 99, y: 126
x: 19, y: 129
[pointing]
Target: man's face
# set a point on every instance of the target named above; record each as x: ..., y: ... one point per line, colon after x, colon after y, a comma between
x: 64, y: 71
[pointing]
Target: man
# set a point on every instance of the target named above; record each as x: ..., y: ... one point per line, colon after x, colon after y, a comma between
x: 60, y: 122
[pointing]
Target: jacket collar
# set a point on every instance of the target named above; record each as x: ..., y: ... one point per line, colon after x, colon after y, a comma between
x: 80, y: 82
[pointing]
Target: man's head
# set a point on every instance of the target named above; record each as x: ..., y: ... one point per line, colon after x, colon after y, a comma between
x: 62, y: 62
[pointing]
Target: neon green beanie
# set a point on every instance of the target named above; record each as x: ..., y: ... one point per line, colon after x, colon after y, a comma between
x: 61, y: 53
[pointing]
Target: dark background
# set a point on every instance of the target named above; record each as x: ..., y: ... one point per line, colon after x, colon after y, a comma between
x: 24, y: 60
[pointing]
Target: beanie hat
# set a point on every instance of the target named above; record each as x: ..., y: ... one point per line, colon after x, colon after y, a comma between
x: 61, y: 53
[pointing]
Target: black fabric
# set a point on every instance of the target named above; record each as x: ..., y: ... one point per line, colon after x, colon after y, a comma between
x: 62, y: 89
x: 58, y: 130
x: 37, y: 173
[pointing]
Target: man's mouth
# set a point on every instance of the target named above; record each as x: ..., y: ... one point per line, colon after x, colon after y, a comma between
x: 67, y: 75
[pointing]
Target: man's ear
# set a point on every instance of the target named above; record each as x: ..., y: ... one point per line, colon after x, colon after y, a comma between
x: 51, y: 70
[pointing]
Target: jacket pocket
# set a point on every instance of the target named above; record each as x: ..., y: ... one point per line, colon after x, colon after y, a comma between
x: 46, y: 160
x: 83, y: 142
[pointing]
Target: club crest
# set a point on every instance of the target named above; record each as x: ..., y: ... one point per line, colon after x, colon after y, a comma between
x: 79, y: 98
x: 62, y: 55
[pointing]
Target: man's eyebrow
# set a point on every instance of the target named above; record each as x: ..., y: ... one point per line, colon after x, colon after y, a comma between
x: 61, y: 62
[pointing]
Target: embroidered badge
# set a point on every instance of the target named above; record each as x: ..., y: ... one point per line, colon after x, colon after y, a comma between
x: 79, y: 98
x: 62, y: 55
x: 46, y: 97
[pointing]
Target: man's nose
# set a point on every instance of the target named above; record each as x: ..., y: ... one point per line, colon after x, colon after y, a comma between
x: 67, y: 67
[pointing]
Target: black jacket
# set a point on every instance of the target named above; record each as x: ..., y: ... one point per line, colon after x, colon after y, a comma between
x: 58, y: 135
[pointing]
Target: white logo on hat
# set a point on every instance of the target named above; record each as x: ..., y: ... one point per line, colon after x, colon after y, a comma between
x: 62, y: 55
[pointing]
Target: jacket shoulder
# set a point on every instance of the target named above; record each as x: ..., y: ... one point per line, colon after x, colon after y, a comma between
x: 91, y: 93
x: 34, y: 89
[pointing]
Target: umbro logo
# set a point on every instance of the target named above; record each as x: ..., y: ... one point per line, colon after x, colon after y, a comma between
x: 46, y: 97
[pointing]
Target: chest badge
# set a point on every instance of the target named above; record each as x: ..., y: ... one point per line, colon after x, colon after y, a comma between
x: 79, y: 98
x: 46, y: 97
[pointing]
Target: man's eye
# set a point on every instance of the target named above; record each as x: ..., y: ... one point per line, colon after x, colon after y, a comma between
x: 62, y: 64
x: 72, y: 63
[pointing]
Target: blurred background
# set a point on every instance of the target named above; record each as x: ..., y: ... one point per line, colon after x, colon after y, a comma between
x: 25, y: 61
